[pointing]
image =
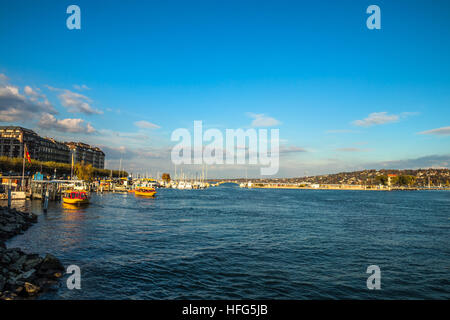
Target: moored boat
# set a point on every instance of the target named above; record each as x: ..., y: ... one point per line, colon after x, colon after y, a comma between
x: 145, y: 191
x: 75, y: 197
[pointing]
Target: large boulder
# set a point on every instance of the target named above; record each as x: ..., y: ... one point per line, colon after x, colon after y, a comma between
x: 50, y: 265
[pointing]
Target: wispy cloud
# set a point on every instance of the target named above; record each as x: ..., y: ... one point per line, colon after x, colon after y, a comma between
x: 81, y: 87
x: 339, y: 131
x: 378, y: 118
x: 444, y: 131
x: 261, y: 120
x: 75, y: 102
x: 351, y: 149
x: 117, y: 152
x: 146, y: 125
x: 292, y: 149
x: 430, y: 161
x: 3, y: 77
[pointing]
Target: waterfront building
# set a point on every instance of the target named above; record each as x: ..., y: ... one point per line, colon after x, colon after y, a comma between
x: 88, y: 154
x: 390, y: 178
x: 13, y: 138
x: 52, y: 150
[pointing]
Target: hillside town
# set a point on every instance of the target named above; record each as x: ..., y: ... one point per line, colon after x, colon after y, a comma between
x: 421, y: 178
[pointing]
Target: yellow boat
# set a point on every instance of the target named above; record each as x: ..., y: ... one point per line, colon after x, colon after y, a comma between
x: 145, y: 192
x: 75, y: 197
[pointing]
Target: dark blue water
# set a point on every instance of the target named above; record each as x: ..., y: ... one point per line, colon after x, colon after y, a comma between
x: 232, y: 243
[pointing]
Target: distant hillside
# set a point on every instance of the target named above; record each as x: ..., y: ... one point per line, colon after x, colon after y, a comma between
x: 419, y: 177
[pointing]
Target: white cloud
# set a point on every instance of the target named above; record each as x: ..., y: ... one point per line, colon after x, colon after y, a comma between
x: 17, y: 107
x: 261, y: 120
x: 444, y: 131
x: 35, y: 95
x: 376, y: 118
x: 146, y: 125
x: 49, y: 121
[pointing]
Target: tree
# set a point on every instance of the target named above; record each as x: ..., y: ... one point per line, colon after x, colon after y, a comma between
x: 405, y: 180
x: 166, y: 177
x: 383, y: 180
x: 84, y: 172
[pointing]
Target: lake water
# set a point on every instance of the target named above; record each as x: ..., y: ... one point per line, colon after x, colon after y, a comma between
x: 232, y: 243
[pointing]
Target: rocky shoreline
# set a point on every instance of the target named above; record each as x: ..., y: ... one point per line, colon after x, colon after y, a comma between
x: 22, y: 275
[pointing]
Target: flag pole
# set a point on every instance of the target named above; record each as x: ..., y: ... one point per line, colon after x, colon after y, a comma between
x: 23, y: 166
x: 71, y: 170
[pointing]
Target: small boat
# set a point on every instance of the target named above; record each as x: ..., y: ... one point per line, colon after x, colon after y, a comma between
x: 76, y: 197
x: 145, y: 191
x: 120, y: 188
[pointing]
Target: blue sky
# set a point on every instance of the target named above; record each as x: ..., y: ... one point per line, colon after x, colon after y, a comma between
x: 310, y: 68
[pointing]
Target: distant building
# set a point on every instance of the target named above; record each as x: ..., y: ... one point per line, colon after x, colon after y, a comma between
x: 85, y: 153
x: 52, y: 150
x: 13, y: 138
x: 390, y: 178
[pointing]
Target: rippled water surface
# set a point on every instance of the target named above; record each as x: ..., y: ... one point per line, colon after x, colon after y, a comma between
x: 232, y: 243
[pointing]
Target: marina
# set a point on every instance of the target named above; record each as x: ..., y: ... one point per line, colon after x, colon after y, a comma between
x: 228, y: 242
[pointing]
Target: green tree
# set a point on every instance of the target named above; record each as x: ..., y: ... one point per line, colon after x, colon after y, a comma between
x: 405, y: 180
x: 84, y: 172
x: 383, y: 180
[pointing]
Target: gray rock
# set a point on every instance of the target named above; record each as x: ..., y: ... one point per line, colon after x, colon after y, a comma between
x: 32, y: 262
x: 19, y: 263
x: 50, y: 262
x: 2, y: 282
x: 26, y: 275
x: 5, y: 259
x: 8, y: 228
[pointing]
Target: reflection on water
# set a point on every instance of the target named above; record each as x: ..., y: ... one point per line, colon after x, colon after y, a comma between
x: 16, y: 204
x: 232, y: 243
x: 74, y: 208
